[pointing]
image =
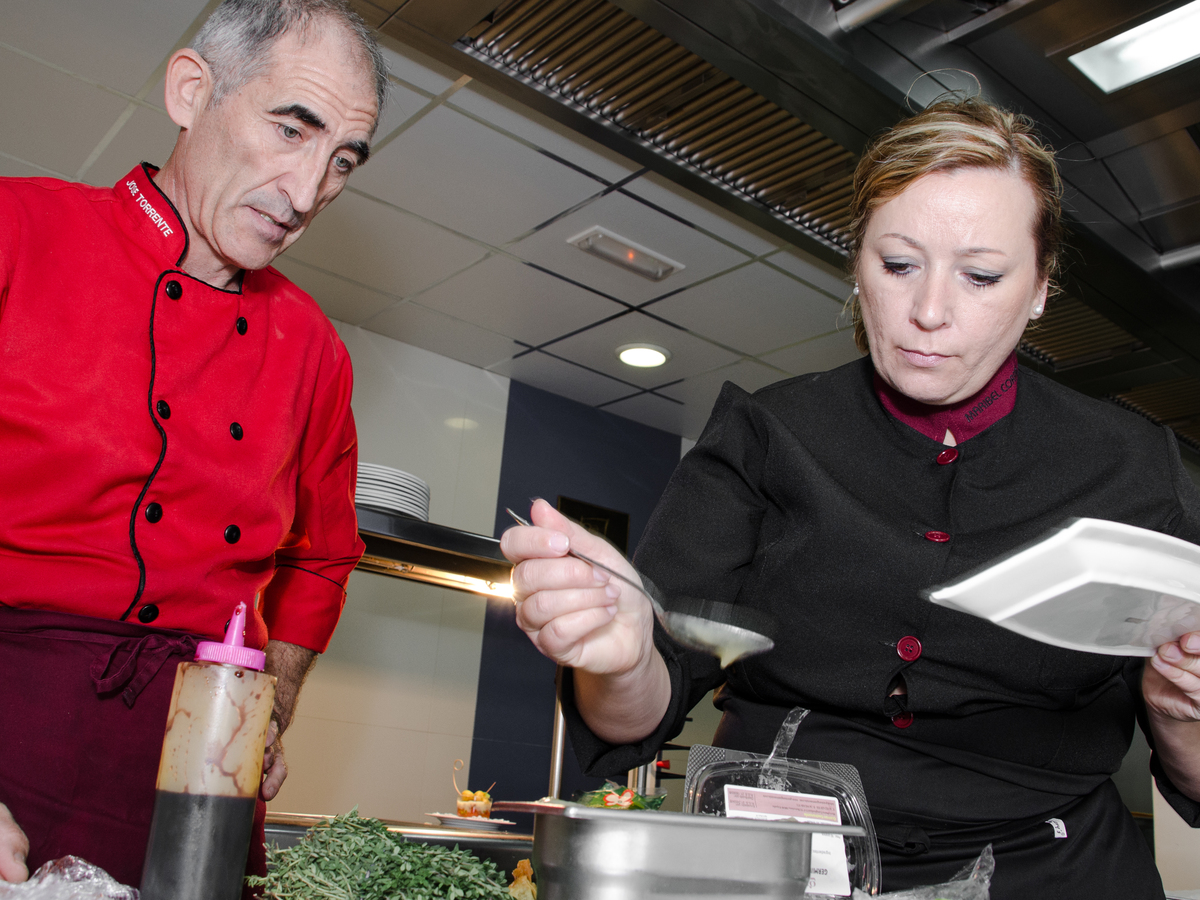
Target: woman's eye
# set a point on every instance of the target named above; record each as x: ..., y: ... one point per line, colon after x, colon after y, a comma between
x: 895, y: 267
x: 979, y: 279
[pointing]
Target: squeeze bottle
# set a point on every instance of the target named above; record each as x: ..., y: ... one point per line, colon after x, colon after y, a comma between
x: 210, y: 771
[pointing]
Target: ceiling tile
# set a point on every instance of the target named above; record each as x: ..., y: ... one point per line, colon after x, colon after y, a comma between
x: 1159, y: 173
x: 16, y: 168
x: 511, y: 298
x: 824, y: 277
x: 339, y: 298
x: 116, y: 44
x: 148, y: 136
x: 752, y: 309
x: 637, y: 222
x: 373, y: 15
x: 564, y: 379
x: 442, y: 334
x: 402, y: 105
x: 818, y: 355
x: 515, y: 118
x: 415, y: 68
x: 657, y: 412
x: 472, y: 179
x: 373, y: 244
x: 60, y: 140
x: 596, y: 349
x: 700, y: 392
x: 703, y: 214
x: 156, y: 95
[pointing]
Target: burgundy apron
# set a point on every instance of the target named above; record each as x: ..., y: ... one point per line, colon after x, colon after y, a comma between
x: 83, y: 706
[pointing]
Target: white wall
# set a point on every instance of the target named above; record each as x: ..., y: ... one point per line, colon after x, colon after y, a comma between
x: 391, y: 705
x: 1176, y: 848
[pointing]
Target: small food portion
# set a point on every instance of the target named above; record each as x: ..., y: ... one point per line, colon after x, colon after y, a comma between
x: 471, y: 804
x: 613, y: 796
x: 475, y: 804
x: 523, y: 887
x: 356, y: 858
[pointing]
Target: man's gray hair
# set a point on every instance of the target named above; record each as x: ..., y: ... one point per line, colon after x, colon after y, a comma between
x: 237, y: 39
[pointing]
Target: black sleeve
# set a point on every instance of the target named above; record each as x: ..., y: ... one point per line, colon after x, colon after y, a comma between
x: 1187, y: 523
x: 689, y: 684
x: 700, y: 542
x: 1188, y: 809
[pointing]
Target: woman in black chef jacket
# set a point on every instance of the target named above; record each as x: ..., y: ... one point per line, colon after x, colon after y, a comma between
x: 829, y: 501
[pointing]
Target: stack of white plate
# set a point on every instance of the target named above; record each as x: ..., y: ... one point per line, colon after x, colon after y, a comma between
x: 390, y: 490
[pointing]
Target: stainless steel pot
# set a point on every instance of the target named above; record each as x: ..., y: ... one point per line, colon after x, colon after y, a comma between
x: 585, y: 853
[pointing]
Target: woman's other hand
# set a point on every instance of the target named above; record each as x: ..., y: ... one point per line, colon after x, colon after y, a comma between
x: 1171, y: 683
x: 14, y: 847
x: 574, y: 613
x: 1171, y: 688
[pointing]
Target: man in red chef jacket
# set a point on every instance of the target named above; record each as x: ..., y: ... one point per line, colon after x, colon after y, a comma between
x: 175, y: 425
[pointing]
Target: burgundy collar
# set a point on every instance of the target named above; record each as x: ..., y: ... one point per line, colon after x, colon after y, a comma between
x: 964, y: 419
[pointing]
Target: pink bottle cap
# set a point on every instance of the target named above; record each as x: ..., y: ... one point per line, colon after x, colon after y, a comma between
x: 233, y: 652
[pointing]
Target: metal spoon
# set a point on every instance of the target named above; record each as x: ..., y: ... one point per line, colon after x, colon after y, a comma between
x: 711, y: 629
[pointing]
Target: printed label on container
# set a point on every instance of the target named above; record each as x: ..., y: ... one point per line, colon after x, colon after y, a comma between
x: 828, y: 873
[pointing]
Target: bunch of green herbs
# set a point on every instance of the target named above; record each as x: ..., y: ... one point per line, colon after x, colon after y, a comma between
x: 357, y: 858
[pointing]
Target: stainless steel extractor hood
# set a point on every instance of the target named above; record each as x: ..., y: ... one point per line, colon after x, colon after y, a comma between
x: 403, y: 547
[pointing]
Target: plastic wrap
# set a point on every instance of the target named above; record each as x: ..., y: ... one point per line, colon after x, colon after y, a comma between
x: 972, y: 883
x: 69, y: 878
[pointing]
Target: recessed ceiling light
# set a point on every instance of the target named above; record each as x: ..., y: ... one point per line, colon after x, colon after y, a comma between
x: 1147, y: 50
x: 461, y: 424
x: 644, y: 356
x: 625, y: 253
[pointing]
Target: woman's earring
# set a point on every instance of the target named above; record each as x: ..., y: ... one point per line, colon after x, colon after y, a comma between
x: 1037, y: 310
x: 856, y: 290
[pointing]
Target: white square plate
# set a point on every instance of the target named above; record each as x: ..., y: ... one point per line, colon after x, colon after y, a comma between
x: 1094, y: 585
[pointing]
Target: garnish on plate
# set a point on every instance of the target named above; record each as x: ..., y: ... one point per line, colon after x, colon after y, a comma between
x: 471, y: 803
x: 613, y: 796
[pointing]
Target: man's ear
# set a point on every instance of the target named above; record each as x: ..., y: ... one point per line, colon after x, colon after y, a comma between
x: 188, y: 88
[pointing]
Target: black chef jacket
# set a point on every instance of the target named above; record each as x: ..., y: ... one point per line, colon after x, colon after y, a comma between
x: 810, y: 502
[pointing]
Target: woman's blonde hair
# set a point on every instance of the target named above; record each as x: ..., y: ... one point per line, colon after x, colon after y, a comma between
x: 958, y: 134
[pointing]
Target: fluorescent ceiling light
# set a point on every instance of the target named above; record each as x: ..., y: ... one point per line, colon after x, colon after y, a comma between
x: 644, y: 356
x: 1147, y: 50
x: 624, y: 252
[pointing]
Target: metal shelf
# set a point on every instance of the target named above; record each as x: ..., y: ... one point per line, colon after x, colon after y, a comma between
x: 403, y: 547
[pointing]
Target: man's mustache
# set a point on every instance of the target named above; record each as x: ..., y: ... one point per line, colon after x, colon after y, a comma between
x: 285, y: 216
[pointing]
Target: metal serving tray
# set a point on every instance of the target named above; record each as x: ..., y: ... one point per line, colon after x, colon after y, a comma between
x: 588, y: 853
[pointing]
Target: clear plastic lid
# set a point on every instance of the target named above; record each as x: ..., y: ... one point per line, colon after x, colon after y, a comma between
x: 715, y: 768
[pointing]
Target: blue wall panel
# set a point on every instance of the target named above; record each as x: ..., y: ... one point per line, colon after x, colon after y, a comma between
x: 552, y: 446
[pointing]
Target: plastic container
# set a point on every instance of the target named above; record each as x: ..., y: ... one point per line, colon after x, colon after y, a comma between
x: 710, y: 769
x: 210, y: 771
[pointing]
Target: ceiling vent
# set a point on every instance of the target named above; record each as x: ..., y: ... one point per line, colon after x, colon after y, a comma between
x: 1174, y: 403
x: 1072, y: 334
x: 597, y: 58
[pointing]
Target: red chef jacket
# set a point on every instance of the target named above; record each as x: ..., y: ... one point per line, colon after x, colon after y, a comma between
x: 166, y: 448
